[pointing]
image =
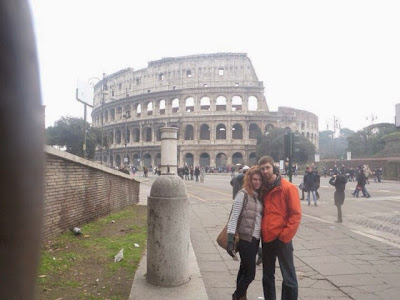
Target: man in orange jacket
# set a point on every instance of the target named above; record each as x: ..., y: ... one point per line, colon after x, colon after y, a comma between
x: 281, y: 218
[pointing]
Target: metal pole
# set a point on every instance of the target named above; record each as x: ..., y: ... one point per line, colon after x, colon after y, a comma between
x: 84, y: 130
x: 102, y: 116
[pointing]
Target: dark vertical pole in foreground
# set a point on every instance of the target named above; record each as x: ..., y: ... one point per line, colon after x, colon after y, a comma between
x: 21, y: 153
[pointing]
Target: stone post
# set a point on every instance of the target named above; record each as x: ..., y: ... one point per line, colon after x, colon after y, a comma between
x: 169, y: 150
x: 168, y: 230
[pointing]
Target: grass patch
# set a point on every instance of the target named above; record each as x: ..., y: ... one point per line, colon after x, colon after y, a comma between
x: 79, y: 267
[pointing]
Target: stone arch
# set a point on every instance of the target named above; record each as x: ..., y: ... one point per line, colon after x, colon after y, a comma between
x: 205, y: 103
x: 149, y: 108
x: 237, y: 103
x: 220, y: 103
x: 147, y: 160
x: 112, y: 114
x: 252, y: 159
x: 118, y: 137
x: 136, y: 135
x: 205, y: 132
x: 254, y: 131
x: 111, y: 135
x: 237, y: 158
x: 268, y: 128
x: 118, y: 160
x: 139, y: 110
x: 220, y: 160
x: 136, y: 160
x: 158, y: 133
x: 119, y: 113
x: 161, y: 107
x: 237, y: 132
x: 189, y: 160
x: 189, y: 104
x: 175, y: 105
x: 189, y: 133
x: 220, y: 133
x: 148, y: 134
x: 204, y: 159
x: 157, y: 159
x: 252, y: 103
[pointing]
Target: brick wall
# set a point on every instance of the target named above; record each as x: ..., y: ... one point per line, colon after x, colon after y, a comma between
x: 78, y: 191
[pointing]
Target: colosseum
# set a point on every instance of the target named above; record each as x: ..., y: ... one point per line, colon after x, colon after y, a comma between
x: 215, y: 100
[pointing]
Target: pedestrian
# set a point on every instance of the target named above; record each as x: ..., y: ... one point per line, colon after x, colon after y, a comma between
x: 310, y: 184
x: 191, y: 173
x: 339, y: 182
x: 145, y: 171
x: 197, y: 173
x: 202, y: 174
x: 281, y: 219
x: 246, y: 220
x: 186, y: 172
x: 361, y: 182
x: 367, y: 172
x: 237, y: 182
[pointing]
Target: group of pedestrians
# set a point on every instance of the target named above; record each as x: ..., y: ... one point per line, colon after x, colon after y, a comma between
x: 267, y: 208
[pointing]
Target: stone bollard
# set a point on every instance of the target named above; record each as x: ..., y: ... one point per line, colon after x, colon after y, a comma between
x: 169, y: 150
x: 168, y: 232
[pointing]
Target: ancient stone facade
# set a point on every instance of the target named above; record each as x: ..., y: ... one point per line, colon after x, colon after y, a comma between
x: 215, y: 100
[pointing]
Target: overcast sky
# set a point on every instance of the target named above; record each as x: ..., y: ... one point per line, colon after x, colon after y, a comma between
x: 333, y: 58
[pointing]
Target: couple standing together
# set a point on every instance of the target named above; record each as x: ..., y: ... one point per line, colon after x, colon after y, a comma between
x: 267, y: 207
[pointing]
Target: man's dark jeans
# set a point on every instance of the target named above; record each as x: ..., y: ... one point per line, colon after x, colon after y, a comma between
x: 247, y: 270
x: 284, y: 252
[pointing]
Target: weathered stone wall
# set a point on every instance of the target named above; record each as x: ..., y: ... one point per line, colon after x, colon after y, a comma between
x: 78, y: 191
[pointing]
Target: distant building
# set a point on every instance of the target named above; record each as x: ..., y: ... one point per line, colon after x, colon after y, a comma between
x: 215, y: 100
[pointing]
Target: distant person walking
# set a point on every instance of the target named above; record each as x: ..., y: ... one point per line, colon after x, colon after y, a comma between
x: 246, y: 220
x: 202, y: 174
x: 310, y: 184
x: 237, y: 182
x: 339, y: 182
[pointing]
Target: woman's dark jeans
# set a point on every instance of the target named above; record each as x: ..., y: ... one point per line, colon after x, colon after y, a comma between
x: 284, y: 252
x: 247, y: 270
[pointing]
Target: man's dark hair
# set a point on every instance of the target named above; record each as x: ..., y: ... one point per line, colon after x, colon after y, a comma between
x: 266, y: 159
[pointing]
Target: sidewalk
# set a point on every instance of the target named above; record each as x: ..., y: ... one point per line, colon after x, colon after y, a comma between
x: 332, y: 262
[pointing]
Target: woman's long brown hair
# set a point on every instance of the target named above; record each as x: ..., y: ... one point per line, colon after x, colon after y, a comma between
x: 248, y: 176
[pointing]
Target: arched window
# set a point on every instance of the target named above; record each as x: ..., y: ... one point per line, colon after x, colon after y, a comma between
x: 118, y: 137
x: 237, y: 103
x: 254, y: 131
x: 138, y: 110
x: 136, y: 160
x: 220, y: 160
x: 220, y: 133
x: 204, y: 160
x: 119, y: 113
x: 157, y: 161
x: 106, y: 116
x: 221, y: 103
x: 237, y: 132
x: 111, y: 135
x: 148, y: 134
x: 147, y: 160
x: 204, y: 132
x: 149, y: 108
x: 118, y: 160
x: 253, y: 103
x: 268, y: 128
x: 189, y: 133
x: 237, y: 158
x: 158, y: 134
x: 162, y: 107
x: 136, y: 135
x: 205, y: 103
x: 189, y: 104
x: 252, y: 159
x: 189, y: 159
x: 175, y: 105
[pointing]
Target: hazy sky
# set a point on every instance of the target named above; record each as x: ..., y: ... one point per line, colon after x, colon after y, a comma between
x: 333, y: 58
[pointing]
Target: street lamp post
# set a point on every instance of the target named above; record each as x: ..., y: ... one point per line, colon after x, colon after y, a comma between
x: 84, y: 121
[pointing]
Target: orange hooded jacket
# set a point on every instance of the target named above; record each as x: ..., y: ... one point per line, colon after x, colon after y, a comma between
x: 282, y: 213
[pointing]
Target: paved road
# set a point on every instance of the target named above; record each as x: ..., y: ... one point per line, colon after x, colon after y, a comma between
x: 359, y: 259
